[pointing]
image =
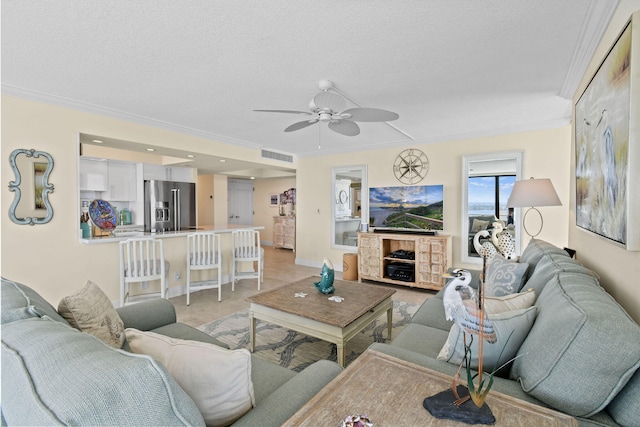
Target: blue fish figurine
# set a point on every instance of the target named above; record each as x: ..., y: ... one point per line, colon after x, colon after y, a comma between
x: 325, y: 285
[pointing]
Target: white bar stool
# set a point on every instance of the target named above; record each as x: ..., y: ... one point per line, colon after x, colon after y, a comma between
x: 203, y: 253
x: 142, y: 260
x: 246, y: 248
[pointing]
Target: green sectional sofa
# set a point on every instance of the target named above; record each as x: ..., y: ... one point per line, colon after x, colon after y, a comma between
x: 53, y: 374
x: 580, y: 357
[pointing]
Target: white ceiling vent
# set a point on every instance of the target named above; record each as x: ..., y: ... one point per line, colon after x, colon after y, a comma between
x: 266, y: 154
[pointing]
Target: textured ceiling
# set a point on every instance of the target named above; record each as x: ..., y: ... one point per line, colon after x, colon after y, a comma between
x: 450, y: 68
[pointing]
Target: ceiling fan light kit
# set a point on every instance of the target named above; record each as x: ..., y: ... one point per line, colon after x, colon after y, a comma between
x: 328, y: 101
x: 329, y: 107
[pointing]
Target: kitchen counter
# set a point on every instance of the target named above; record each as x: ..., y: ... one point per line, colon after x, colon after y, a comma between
x: 124, y: 235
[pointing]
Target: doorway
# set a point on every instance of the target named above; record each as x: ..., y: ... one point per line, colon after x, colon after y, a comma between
x: 240, y: 201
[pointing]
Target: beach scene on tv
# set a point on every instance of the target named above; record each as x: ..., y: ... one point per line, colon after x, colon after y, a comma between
x: 415, y: 207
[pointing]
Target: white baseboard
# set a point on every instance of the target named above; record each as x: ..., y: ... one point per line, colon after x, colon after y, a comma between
x: 316, y: 264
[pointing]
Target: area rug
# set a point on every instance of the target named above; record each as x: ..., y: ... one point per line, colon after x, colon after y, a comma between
x: 295, y: 350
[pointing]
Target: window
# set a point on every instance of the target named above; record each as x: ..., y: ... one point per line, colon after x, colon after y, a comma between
x: 488, y: 195
x: 487, y: 181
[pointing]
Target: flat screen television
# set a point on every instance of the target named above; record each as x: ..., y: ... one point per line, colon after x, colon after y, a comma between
x: 416, y: 208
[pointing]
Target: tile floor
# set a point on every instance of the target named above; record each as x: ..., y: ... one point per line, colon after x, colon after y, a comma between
x: 280, y: 268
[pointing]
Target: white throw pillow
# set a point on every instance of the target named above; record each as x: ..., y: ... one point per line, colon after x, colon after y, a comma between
x: 91, y: 311
x: 217, y: 380
x: 493, y: 305
x: 512, y: 327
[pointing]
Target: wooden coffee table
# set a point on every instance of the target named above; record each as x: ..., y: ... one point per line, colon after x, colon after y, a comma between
x: 390, y: 391
x: 317, y: 316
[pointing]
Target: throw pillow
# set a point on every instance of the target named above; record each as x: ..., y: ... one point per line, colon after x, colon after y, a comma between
x: 504, y: 277
x: 218, y: 380
x: 90, y: 311
x: 479, y: 225
x: 512, y: 327
x: 509, y: 302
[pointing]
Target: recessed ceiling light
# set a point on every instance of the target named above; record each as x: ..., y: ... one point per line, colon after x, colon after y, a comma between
x: 98, y: 141
x: 253, y: 177
x: 191, y: 156
x: 151, y: 149
x: 223, y: 161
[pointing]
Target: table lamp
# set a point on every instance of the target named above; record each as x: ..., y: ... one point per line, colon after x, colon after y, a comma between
x: 533, y: 192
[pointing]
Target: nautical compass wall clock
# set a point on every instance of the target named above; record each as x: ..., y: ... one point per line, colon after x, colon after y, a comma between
x: 411, y: 166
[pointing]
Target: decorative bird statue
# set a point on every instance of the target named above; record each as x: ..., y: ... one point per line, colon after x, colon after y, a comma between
x: 503, y: 241
x: 325, y: 285
x: 466, y: 311
x: 484, y: 247
x: 461, y: 306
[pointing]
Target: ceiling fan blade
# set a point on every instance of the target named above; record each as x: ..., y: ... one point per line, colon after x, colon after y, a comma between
x: 329, y: 101
x: 300, y: 125
x: 285, y: 111
x: 345, y: 127
x: 370, y: 115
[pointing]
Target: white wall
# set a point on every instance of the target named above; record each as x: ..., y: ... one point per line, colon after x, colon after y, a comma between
x: 264, y: 212
x: 619, y: 269
x: 212, y: 200
x: 51, y: 260
x: 204, y: 198
x: 546, y: 155
x: 50, y: 257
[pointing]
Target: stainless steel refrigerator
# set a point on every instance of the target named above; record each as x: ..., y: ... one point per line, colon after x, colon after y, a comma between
x: 169, y: 206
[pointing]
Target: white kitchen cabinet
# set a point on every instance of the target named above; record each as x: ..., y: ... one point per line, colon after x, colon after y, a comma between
x: 168, y: 173
x: 154, y: 172
x: 94, y: 175
x: 112, y: 180
x: 122, y: 182
x: 181, y: 174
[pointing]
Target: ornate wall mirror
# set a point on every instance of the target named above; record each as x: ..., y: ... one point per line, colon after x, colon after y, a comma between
x: 349, y: 205
x: 487, y: 180
x: 31, y: 187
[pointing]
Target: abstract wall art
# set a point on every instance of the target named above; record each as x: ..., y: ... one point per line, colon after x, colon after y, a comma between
x: 607, y: 122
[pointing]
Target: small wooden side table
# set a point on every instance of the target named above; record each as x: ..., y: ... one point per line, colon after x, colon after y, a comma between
x: 390, y: 391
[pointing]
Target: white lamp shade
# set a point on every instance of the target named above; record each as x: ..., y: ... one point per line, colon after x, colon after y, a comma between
x: 533, y: 192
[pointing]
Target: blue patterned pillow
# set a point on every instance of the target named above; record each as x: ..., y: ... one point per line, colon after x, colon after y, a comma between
x: 504, y: 277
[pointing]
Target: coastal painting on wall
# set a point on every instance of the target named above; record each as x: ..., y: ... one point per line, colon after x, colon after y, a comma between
x: 606, y: 126
x: 410, y: 207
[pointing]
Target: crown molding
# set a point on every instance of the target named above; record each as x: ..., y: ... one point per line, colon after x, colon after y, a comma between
x: 94, y: 109
x: 599, y: 15
x: 86, y: 107
x: 520, y: 128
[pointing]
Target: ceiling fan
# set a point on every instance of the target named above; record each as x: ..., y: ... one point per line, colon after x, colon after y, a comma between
x: 328, y: 106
